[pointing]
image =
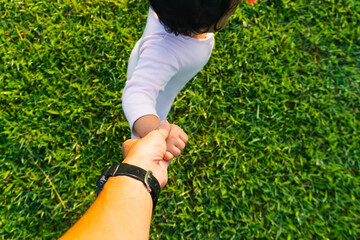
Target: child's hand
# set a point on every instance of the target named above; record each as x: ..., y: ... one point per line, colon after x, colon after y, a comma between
x: 175, y: 142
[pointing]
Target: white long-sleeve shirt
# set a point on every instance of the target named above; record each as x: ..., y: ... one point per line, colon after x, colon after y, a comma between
x: 160, y: 65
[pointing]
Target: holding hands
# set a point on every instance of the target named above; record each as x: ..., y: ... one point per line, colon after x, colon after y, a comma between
x: 175, y: 141
x: 123, y: 209
x: 161, y: 146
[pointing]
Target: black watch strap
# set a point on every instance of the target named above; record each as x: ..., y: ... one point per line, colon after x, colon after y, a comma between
x: 138, y: 173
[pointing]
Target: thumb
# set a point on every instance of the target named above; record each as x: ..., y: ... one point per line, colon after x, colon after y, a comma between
x: 164, y: 128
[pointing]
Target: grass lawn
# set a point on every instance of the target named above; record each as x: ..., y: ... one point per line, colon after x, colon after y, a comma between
x: 273, y: 120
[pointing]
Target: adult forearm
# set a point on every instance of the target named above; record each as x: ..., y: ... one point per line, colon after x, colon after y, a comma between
x: 122, y: 211
x: 146, y: 124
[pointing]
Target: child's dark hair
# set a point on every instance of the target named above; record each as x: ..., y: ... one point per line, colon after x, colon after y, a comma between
x: 189, y: 17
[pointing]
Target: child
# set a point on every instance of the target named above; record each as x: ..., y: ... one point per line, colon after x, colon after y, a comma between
x: 177, y: 42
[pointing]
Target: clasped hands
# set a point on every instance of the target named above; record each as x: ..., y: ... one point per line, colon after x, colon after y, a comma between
x: 156, y: 150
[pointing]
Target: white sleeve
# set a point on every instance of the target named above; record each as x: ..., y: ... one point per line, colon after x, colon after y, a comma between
x: 154, y: 69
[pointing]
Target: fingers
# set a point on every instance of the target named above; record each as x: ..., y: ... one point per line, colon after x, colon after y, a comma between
x: 184, y: 137
x: 176, y: 147
x: 168, y: 156
x: 180, y: 145
x: 176, y: 140
x: 176, y: 131
x: 174, y: 150
x: 173, y: 135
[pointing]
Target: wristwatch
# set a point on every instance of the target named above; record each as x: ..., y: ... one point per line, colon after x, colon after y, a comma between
x: 124, y: 169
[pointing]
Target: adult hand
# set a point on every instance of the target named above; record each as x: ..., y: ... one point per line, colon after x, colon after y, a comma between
x: 123, y: 209
x: 150, y: 153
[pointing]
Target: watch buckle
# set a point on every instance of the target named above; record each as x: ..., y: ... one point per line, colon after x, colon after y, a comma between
x: 147, y: 176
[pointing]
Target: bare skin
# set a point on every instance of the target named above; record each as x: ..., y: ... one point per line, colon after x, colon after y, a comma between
x: 123, y: 209
x: 176, y: 140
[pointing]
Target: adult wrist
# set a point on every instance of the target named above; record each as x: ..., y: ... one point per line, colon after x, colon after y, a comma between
x: 133, y: 185
x: 125, y: 169
x: 152, y: 166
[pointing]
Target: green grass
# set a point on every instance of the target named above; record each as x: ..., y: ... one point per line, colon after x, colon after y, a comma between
x: 273, y: 120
